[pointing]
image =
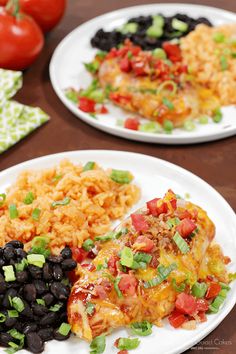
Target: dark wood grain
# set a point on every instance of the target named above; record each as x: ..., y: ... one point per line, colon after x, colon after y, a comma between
x: 215, y: 162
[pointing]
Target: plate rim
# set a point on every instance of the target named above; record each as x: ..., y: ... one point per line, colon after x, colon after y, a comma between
x: 189, y: 138
x: 74, y: 153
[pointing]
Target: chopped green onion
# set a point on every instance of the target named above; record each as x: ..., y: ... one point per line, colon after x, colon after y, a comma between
x: 36, y: 259
x: 98, y: 345
x: 217, y: 117
x: 13, y: 211
x: 57, y: 178
x: 16, y: 335
x: 164, y: 272
x: 168, y: 103
x: 40, y: 302
x: 12, y: 313
x: 154, y: 31
x: 233, y: 55
x: 141, y: 328
x: 232, y: 276
x: 56, y: 307
x: 159, y: 53
x: 216, y: 304
x: 199, y: 289
x: 36, y: 214
x: 72, y: 95
x: 2, y: 199
x: 150, y: 127
x: 64, y: 329
x: 181, y: 243
x: 116, y: 287
x: 223, y: 63
x: 88, y: 245
x: 219, y: 37
x: 224, y: 286
x: 92, y: 67
x: 101, y: 54
x: 203, y: 120
x: 90, y: 308
x: 39, y: 245
x: 102, y: 266
x: 127, y: 257
x: 18, y: 304
x: 173, y: 222
x: 113, y: 235
x: 2, y: 318
x: 189, y: 125
x: 141, y: 260
x: 120, y: 123
x: 166, y: 86
x: 179, y: 25
x: 29, y: 198
x: 21, y: 266
x: 158, y: 20
x: 168, y: 126
x: 130, y: 27
x: 128, y: 343
x: 121, y: 177
x: 65, y: 201
x: 9, y: 273
x: 89, y: 166
x: 179, y: 288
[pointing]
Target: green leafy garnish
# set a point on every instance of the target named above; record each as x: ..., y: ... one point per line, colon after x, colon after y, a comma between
x: 12, y: 313
x: 13, y: 211
x: 179, y: 25
x: 2, y: 199
x: 168, y: 126
x: 98, y: 345
x: 217, y: 117
x: 127, y: 257
x: 37, y: 260
x: 116, y: 287
x: 181, y: 243
x: 21, y: 266
x: 56, y: 307
x: 40, y: 245
x: 2, y: 318
x: 189, y: 125
x: 128, y: 343
x: 141, y: 328
x: 88, y: 245
x: 64, y: 329
x: 65, y: 201
x: 173, y: 222
x: 89, y: 166
x: 179, y: 288
x: 29, y: 198
x: 113, y: 235
x: 121, y: 177
x: 92, y: 67
x: 57, y: 178
x: 101, y: 54
x: 90, y: 308
x: 223, y: 63
x: 40, y: 302
x: 199, y: 289
x: 36, y: 214
x: 18, y: 336
x: 141, y: 260
x: 164, y: 272
x: 72, y: 95
x: 168, y: 103
x: 219, y: 37
x: 9, y: 273
x: 18, y: 304
x: 130, y: 27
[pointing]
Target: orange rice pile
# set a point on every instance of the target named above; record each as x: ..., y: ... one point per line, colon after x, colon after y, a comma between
x: 95, y: 201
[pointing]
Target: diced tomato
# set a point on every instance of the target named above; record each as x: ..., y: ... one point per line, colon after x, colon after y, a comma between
x: 154, y: 261
x: 173, y: 51
x: 123, y: 352
x: 138, y: 66
x: 131, y: 123
x: 90, y: 266
x: 143, y: 243
x: 79, y: 254
x: 176, y: 319
x: 227, y: 260
x: 72, y: 276
x: 103, y: 110
x: 87, y: 105
x: 128, y: 284
x: 184, y: 215
x: 186, y: 227
x: 135, y: 50
x: 125, y: 65
x: 155, y: 209
x: 112, y: 264
x: 100, y: 292
x: 112, y: 54
x: 118, y: 98
x: 139, y: 222
x: 213, y: 290
x: 186, y: 304
x: 202, y: 305
x: 116, y: 342
x: 173, y: 203
x: 202, y: 316
x: 121, y: 52
x: 91, y: 255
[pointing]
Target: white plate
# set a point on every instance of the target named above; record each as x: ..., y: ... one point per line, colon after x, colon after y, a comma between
x: 67, y: 70
x: 154, y: 176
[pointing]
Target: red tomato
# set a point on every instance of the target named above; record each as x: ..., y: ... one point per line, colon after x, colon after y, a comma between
x: 112, y: 264
x: 118, y: 98
x: 125, y: 65
x: 79, y: 254
x: 123, y: 352
x: 3, y: 2
x: 176, y: 319
x: 202, y: 316
x: 138, y: 67
x: 184, y: 214
x: 91, y: 267
x: 47, y: 13
x: 213, y: 290
x: 128, y: 284
x: 131, y: 123
x: 87, y: 105
x: 155, y: 209
x: 100, y: 292
x: 103, y: 110
x: 139, y: 222
x: 186, y: 304
x: 186, y: 227
x: 202, y: 305
x: 21, y: 40
x: 144, y: 244
x: 173, y: 51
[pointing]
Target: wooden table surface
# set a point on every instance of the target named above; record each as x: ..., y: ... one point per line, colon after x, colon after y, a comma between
x: 215, y: 162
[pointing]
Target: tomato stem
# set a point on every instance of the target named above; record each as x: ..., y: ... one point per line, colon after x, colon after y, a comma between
x: 14, y: 7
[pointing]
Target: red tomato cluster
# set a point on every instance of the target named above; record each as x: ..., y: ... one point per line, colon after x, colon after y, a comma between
x: 21, y: 37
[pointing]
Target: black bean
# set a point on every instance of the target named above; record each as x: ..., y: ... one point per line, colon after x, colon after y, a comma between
x: 40, y: 286
x: 39, y: 310
x: 2, y: 262
x: 20, y: 254
x: 27, y: 312
x: 68, y: 264
x: 19, y: 326
x: 10, y: 293
x: 1, y: 252
x: 1, y: 297
x: 22, y: 276
x: 8, y: 253
x: 46, y: 334
x: 60, y: 291
x: 57, y: 272
x: 55, y: 259
x: 34, y: 343
x: 30, y: 327
x: 48, y: 298
x: 15, y: 244
x: 5, y: 338
x: 47, y: 272
x: 10, y: 321
x: 3, y: 284
x: 35, y: 272
x: 48, y: 319
x: 62, y: 317
x: 59, y: 336
x: 66, y: 253
x: 30, y: 292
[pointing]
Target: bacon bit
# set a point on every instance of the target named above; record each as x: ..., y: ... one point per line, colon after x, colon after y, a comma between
x: 112, y: 264
x: 143, y: 243
x: 210, y: 277
x: 90, y: 266
x: 100, y: 292
x: 106, y: 285
x: 154, y: 261
x: 128, y: 284
x: 227, y: 260
x: 103, y: 110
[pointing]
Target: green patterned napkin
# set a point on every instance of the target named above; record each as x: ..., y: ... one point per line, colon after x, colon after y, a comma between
x: 16, y: 119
